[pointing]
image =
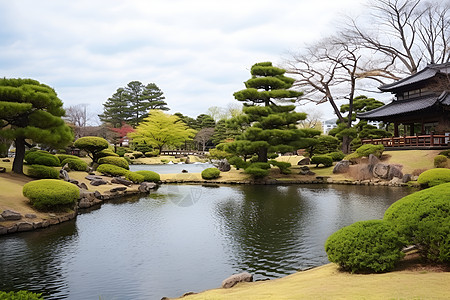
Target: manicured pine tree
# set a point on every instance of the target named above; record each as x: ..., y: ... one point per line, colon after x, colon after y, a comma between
x: 116, y: 110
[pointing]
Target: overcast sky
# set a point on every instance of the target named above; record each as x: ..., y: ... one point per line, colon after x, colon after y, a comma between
x: 198, y: 52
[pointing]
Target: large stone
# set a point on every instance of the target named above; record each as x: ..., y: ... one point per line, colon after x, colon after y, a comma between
x: 304, y: 161
x: 341, y: 167
x: 30, y: 216
x: 63, y: 174
x: 25, y: 226
x: 120, y: 180
x: 86, y: 194
x: 373, y: 160
x: 406, y: 178
x: 381, y: 171
x: 394, y: 171
x: 93, y: 177
x: 223, y: 165
x: 2, y: 169
x: 307, y: 172
x: 97, y: 182
x: 6, y: 160
x: 10, y: 215
x: 118, y: 189
x: 82, y: 185
x: 146, y: 187
x: 84, y: 203
x: 188, y: 160
x: 76, y: 182
x: 236, y: 278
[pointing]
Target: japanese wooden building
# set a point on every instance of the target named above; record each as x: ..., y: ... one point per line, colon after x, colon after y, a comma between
x: 421, y: 106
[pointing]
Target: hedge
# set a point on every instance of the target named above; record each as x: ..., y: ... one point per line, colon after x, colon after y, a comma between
x: 114, y: 160
x: 112, y: 170
x: 256, y: 172
x: 42, y: 172
x: 440, y: 161
x: 210, y: 173
x: 75, y: 164
x: 325, y: 160
x: 107, y: 153
x: 423, y: 219
x: 336, y: 156
x: 149, y: 176
x: 51, y: 193
x: 41, y: 158
x: 134, y: 177
x: 62, y: 157
x: 365, y: 246
x: 434, y: 177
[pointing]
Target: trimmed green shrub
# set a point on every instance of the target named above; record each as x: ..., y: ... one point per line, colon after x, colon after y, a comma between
x: 93, y: 145
x: 75, y: 164
x: 42, y: 172
x: 283, y: 166
x: 62, y: 157
x: 134, y: 177
x: 256, y: 172
x: 210, y: 173
x: 138, y: 154
x: 107, y: 153
x: 153, y: 153
x: 434, y: 177
x: 440, y: 161
x: 367, y: 149
x: 336, y: 156
x: 51, y: 193
x: 114, y: 160
x: 238, y: 162
x: 112, y: 170
x: 149, y: 176
x: 39, y: 157
x: 423, y: 219
x: 325, y: 160
x: 365, y: 246
x: 261, y: 165
x: 445, y: 153
x: 20, y: 295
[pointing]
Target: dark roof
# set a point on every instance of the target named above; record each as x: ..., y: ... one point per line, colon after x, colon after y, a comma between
x: 428, y: 72
x: 399, y: 107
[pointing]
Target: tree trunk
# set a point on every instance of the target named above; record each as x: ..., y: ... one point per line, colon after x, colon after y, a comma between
x: 20, y: 155
x: 346, y: 144
x: 262, y: 155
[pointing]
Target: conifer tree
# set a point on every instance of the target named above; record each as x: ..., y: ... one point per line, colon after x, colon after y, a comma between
x: 116, y: 110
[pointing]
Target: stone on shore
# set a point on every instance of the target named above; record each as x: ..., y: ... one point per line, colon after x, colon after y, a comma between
x: 146, y: 187
x: 236, y: 278
x: 341, y: 167
x: 10, y: 215
x: 97, y: 182
x: 120, y: 180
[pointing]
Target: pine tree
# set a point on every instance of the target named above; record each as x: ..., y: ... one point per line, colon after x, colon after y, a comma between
x: 116, y: 110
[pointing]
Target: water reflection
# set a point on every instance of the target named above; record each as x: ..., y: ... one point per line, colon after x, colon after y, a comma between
x: 185, y: 237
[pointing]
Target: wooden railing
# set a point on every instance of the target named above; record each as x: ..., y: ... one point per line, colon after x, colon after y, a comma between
x: 431, y: 140
x: 182, y: 152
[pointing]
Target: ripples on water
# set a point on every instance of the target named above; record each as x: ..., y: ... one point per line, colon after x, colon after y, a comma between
x: 185, y: 237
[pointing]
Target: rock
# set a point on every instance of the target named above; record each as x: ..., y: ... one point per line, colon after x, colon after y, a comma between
x: 93, y: 177
x: 184, y: 171
x: 76, y: 182
x: 120, y: 180
x: 394, y: 171
x: 188, y: 160
x: 304, y: 161
x: 2, y: 170
x: 63, y: 174
x: 373, y: 160
x: 236, y: 278
x: 414, y: 178
x: 308, y: 172
x: 66, y: 168
x: 145, y: 187
x: 97, y: 182
x: 82, y: 186
x: 396, y: 181
x: 2, y: 219
x: 10, y: 215
x: 363, y: 172
x: 3, y: 230
x: 341, y: 167
x: 304, y: 168
x: 118, y: 189
x: 406, y: 178
x: 97, y: 195
x: 84, y: 203
x: 86, y: 194
x: 24, y: 226
x: 6, y: 160
x: 223, y: 165
x: 381, y: 171
x: 30, y: 216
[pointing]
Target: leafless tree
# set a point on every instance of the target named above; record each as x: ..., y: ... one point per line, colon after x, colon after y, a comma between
x: 409, y: 33
x: 78, y: 117
x: 203, y: 136
x: 313, y: 119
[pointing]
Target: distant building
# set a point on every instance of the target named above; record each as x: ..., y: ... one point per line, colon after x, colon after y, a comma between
x: 329, y: 124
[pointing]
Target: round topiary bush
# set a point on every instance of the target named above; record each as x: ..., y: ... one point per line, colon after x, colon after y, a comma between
x: 149, y: 176
x: 107, y: 153
x: 238, y: 162
x: 42, y: 172
x: 365, y: 246
x: 93, y: 145
x: 336, y: 156
x: 423, y: 219
x: 256, y: 171
x: 325, y: 160
x: 114, y: 160
x: 367, y: 149
x: 210, y: 173
x: 434, y: 177
x: 134, y: 177
x: 40, y: 157
x: 75, y: 164
x: 51, y: 193
x: 440, y: 161
x: 112, y: 170
x: 283, y: 166
x: 62, y: 157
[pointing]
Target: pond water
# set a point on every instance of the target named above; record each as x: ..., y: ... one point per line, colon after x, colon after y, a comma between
x: 184, y: 238
x: 172, y: 168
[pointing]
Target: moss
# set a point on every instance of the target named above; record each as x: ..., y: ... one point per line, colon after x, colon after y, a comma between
x: 434, y: 177
x: 51, y: 193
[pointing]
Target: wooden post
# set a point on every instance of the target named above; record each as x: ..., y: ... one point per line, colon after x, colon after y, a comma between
x: 395, y: 129
x: 431, y: 139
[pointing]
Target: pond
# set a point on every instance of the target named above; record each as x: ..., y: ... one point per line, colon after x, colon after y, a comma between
x: 184, y: 238
x: 172, y: 168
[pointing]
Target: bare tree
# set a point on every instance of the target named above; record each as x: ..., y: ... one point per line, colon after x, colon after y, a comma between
x: 203, y: 136
x: 409, y: 34
x: 313, y: 119
x: 78, y: 117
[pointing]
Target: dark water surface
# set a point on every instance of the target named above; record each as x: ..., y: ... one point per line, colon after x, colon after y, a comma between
x: 186, y: 238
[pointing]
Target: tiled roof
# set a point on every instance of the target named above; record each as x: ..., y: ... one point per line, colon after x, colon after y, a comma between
x: 427, y: 73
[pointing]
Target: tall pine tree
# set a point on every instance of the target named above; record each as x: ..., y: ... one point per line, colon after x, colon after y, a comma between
x: 116, y: 110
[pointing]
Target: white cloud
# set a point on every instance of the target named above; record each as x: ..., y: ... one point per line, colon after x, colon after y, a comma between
x: 198, y: 52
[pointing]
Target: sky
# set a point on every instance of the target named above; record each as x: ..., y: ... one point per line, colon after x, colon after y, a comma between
x: 197, y: 52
